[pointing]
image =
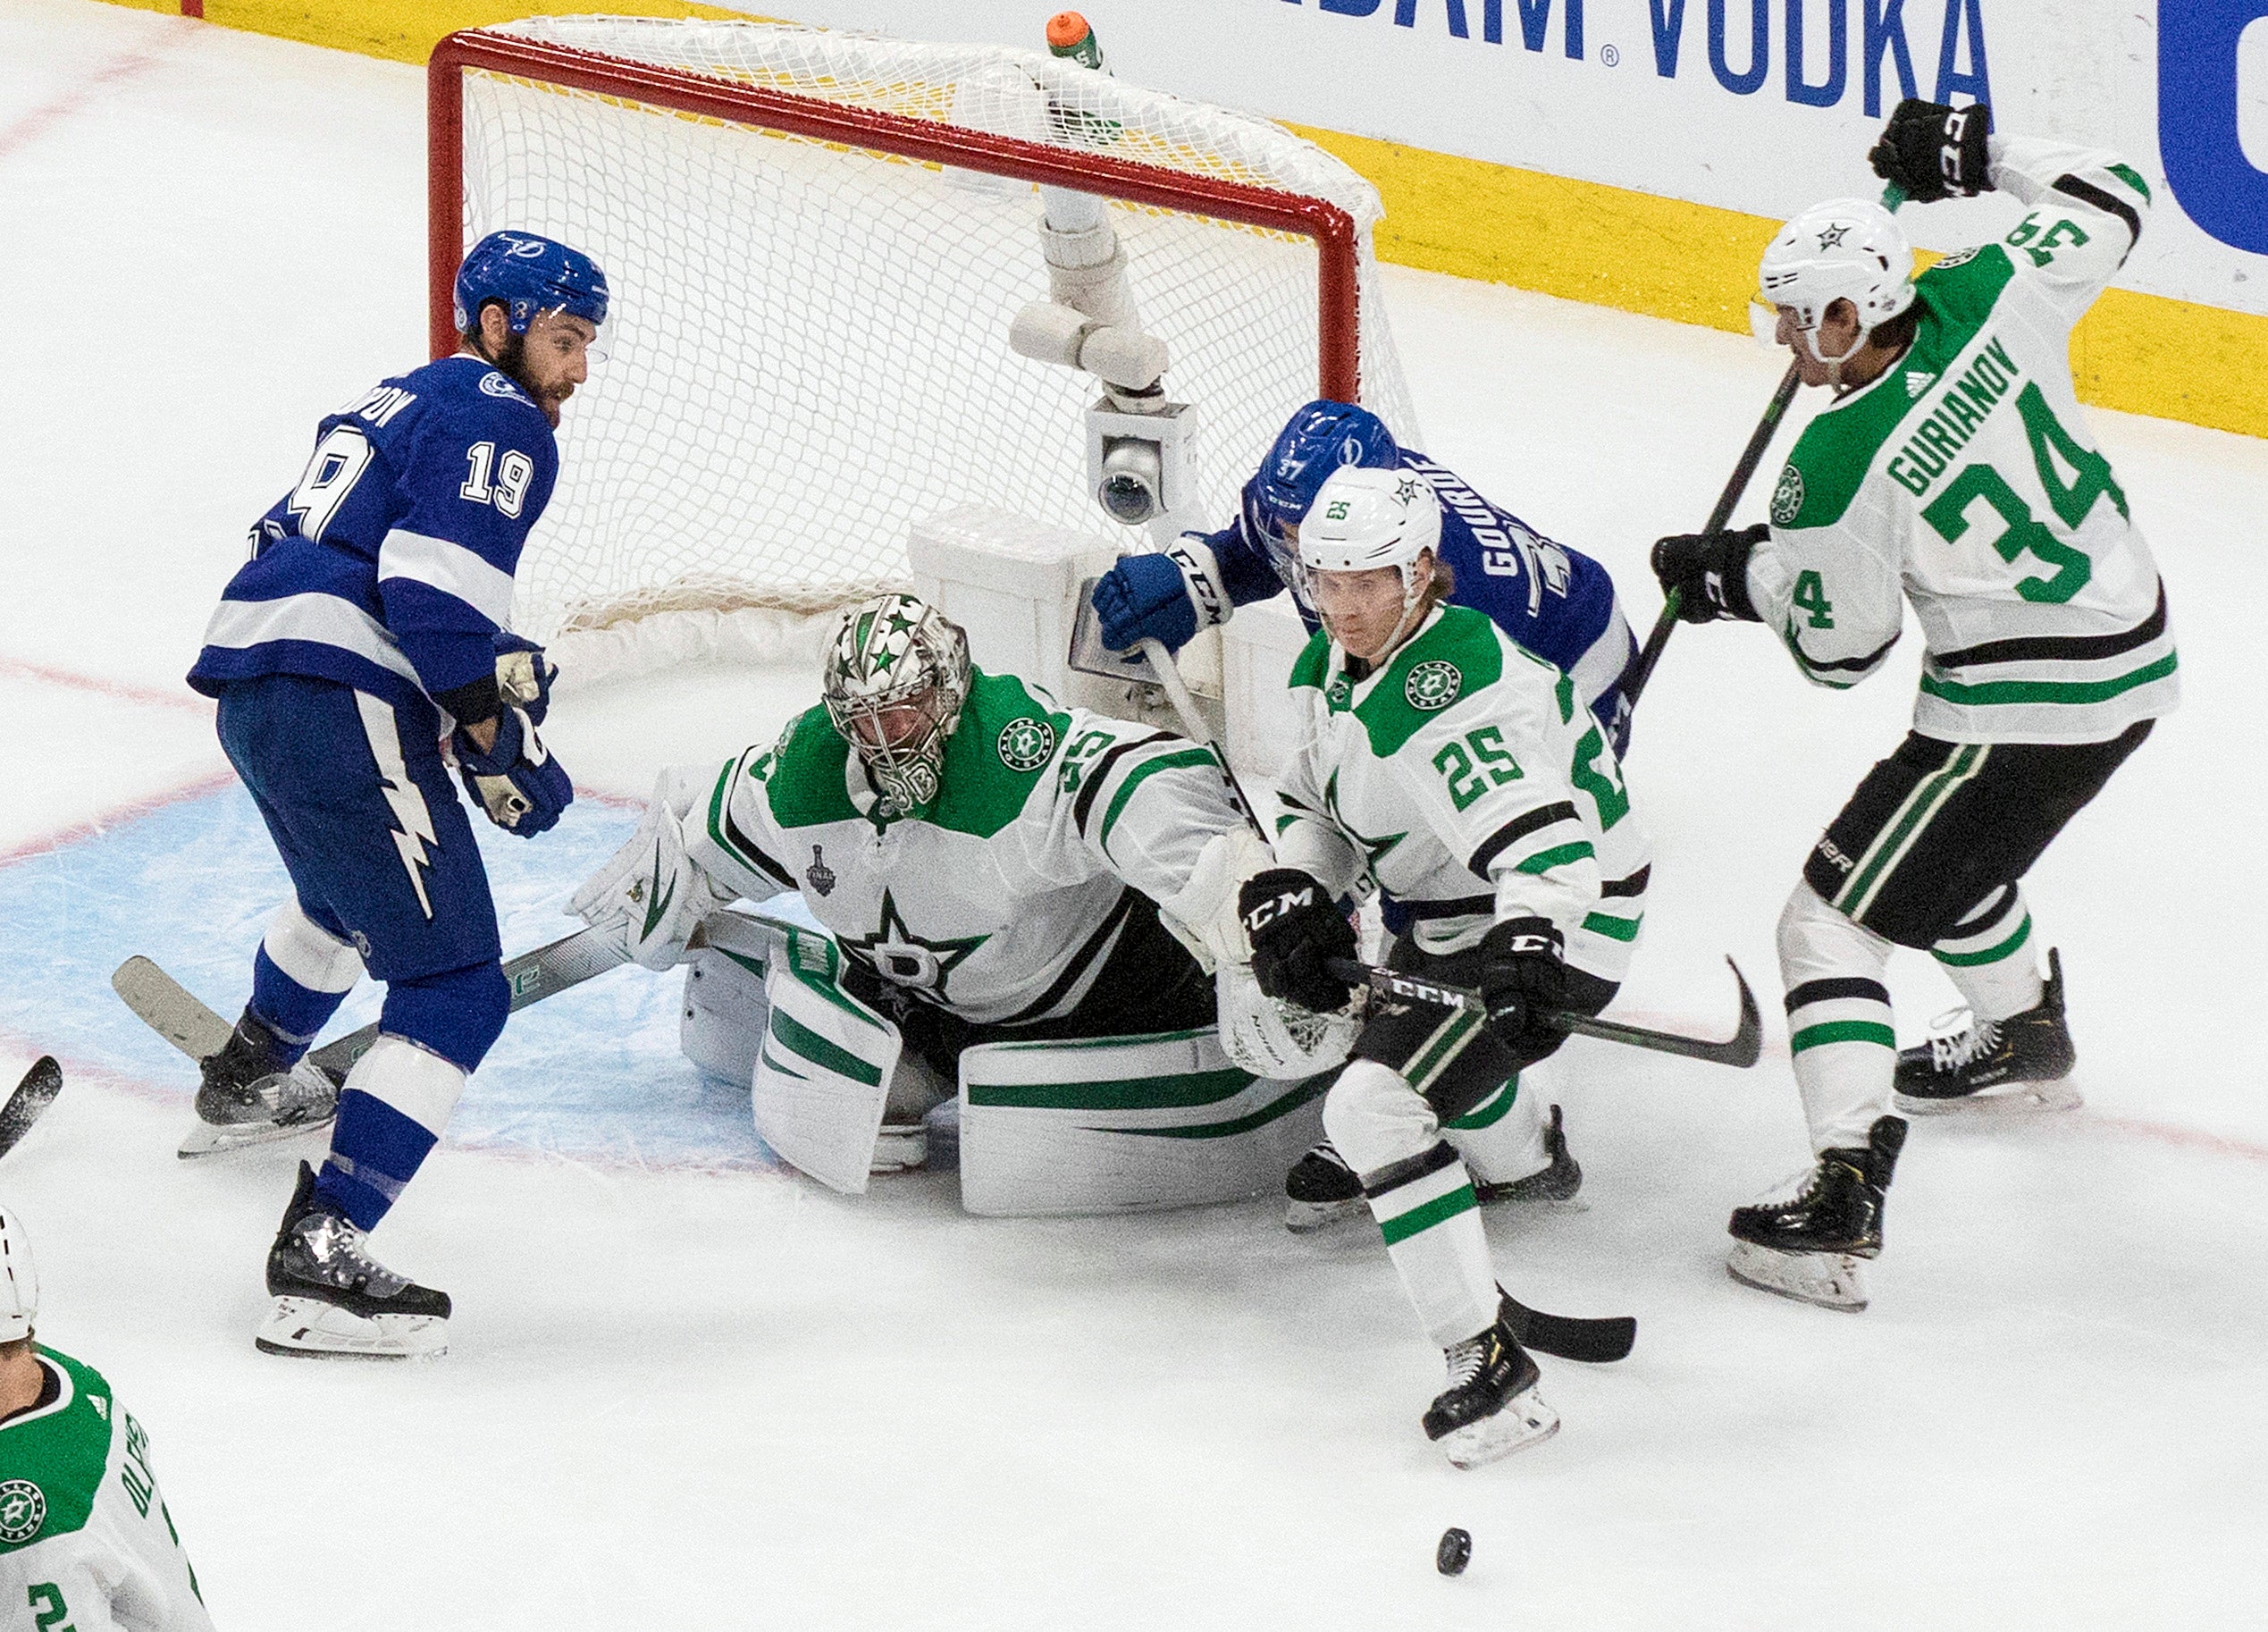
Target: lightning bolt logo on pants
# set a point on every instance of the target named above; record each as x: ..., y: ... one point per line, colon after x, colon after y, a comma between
x: 413, y: 823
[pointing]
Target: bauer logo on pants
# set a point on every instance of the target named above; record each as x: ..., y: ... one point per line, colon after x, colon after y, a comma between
x: 23, y: 1509
x: 1433, y: 686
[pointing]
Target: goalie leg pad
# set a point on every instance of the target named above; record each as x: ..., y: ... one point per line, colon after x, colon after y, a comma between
x: 1116, y: 1125
x: 822, y: 1075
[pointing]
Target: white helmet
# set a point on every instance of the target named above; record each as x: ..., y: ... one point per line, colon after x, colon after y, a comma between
x: 1364, y: 518
x: 893, y: 652
x: 18, y: 1279
x: 1844, y: 249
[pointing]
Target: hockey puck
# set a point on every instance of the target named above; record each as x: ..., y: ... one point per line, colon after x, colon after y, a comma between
x: 1455, y: 1551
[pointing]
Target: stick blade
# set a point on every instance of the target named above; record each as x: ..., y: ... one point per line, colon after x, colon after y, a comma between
x: 1570, y: 1337
x: 169, y: 1008
x: 1747, y: 1044
x: 29, y: 1102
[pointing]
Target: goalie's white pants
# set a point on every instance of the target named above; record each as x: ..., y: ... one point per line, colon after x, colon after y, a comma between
x: 1838, y: 1019
x: 1421, y: 1195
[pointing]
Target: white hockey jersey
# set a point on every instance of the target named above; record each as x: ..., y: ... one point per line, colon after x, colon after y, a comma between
x: 86, y: 1540
x: 1004, y: 899
x: 1964, y: 479
x: 1465, y: 780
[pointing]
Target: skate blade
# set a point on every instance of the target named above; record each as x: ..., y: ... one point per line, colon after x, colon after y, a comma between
x: 899, y: 1150
x: 2002, y: 1099
x: 1307, y: 1218
x: 1525, y: 1421
x: 307, y: 1328
x: 219, y: 1138
x: 1825, y: 1280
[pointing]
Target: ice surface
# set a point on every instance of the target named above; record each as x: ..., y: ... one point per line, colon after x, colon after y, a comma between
x: 688, y: 1389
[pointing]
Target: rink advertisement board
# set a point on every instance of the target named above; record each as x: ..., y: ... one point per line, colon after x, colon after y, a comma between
x: 1636, y: 153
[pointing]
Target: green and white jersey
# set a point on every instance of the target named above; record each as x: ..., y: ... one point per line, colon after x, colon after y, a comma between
x: 1466, y: 780
x: 85, y: 1539
x: 1002, y: 899
x: 1965, y: 476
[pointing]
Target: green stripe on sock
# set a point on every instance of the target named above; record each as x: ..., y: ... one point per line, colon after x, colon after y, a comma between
x: 1418, y: 1219
x: 1842, y: 1031
x: 1490, y: 1111
x: 1970, y: 960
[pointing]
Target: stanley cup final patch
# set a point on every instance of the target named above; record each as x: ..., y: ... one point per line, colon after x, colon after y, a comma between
x: 1432, y: 687
x: 1026, y: 744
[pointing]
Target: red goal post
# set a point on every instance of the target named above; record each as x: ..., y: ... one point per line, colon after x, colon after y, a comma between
x: 817, y: 242
x: 1337, y: 371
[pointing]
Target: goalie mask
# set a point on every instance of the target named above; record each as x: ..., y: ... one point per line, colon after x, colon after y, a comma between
x: 896, y: 679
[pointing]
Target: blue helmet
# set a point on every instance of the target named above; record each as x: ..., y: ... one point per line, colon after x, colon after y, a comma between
x: 530, y: 274
x: 1317, y: 440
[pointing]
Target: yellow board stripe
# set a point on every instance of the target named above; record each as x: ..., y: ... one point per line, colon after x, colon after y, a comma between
x: 1582, y: 240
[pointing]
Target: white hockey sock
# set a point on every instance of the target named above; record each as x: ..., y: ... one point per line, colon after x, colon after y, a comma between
x: 1421, y: 1196
x: 1502, y: 1138
x: 1838, y: 1020
x: 1989, y: 954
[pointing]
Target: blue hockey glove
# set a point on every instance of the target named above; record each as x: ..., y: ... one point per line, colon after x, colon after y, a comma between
x: 524, y: 674
x: 1144, y: 598
x: 517, y: 782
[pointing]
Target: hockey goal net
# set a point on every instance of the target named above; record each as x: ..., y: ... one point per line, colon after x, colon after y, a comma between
x: 817, y: 242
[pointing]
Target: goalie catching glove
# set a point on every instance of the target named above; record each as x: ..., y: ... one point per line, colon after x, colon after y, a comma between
x: 1295, y: 931
x: 650, y: 894
x: 517, y: 782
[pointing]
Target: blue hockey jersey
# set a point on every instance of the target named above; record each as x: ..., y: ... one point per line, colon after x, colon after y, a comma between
x: 1557, y: 602
x: 389, y: 567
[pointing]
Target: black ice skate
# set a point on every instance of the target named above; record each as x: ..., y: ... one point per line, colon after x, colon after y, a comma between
x: 2017, y: 1063
x: 1320, y: 1190
x: 332, y: 1300
x: 1558, y: 1180
x: 1807, y: 1245
x: 248, y: 1094
x: 1491, y: 1408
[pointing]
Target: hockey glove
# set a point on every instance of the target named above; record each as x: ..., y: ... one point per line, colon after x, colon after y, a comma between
x: 1708, y: 571
x: 1930, y: 151
x: 1165, y: 597
x: 650, y: 896
x: 1295, y: 931
x: 517, y: 782
x: 524, y: 675
x: 1523, y: 980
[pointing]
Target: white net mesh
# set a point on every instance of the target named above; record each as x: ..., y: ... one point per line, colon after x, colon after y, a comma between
x: 809, y: 341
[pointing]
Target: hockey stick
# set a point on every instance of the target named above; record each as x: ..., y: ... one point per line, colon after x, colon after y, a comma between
x: 1570, y: 1337
x: 1743, y: 1048
x: 33, y: 1096
x: 182, y: 1020
x: 1751, y: 457
x: 1759, y: 440
x: 1177, y: 693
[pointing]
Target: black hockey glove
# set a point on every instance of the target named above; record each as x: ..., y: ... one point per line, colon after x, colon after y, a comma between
x: 1295, y: 931
x: 1930, y: 151
x: 1522, y: 980
x: 1709, y: 573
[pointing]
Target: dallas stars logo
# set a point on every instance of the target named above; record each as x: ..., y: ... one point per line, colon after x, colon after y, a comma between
x: 1408, y: 489
x: 23, y: 1509
x: 901, y: 956
x: 1432, y: 687
x: 1834, y: 235
x: 1374, y: 850
x: 1026, y: 744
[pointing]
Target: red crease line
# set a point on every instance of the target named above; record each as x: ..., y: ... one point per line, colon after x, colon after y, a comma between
x: 17, y: 668
x: 96, y: 826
